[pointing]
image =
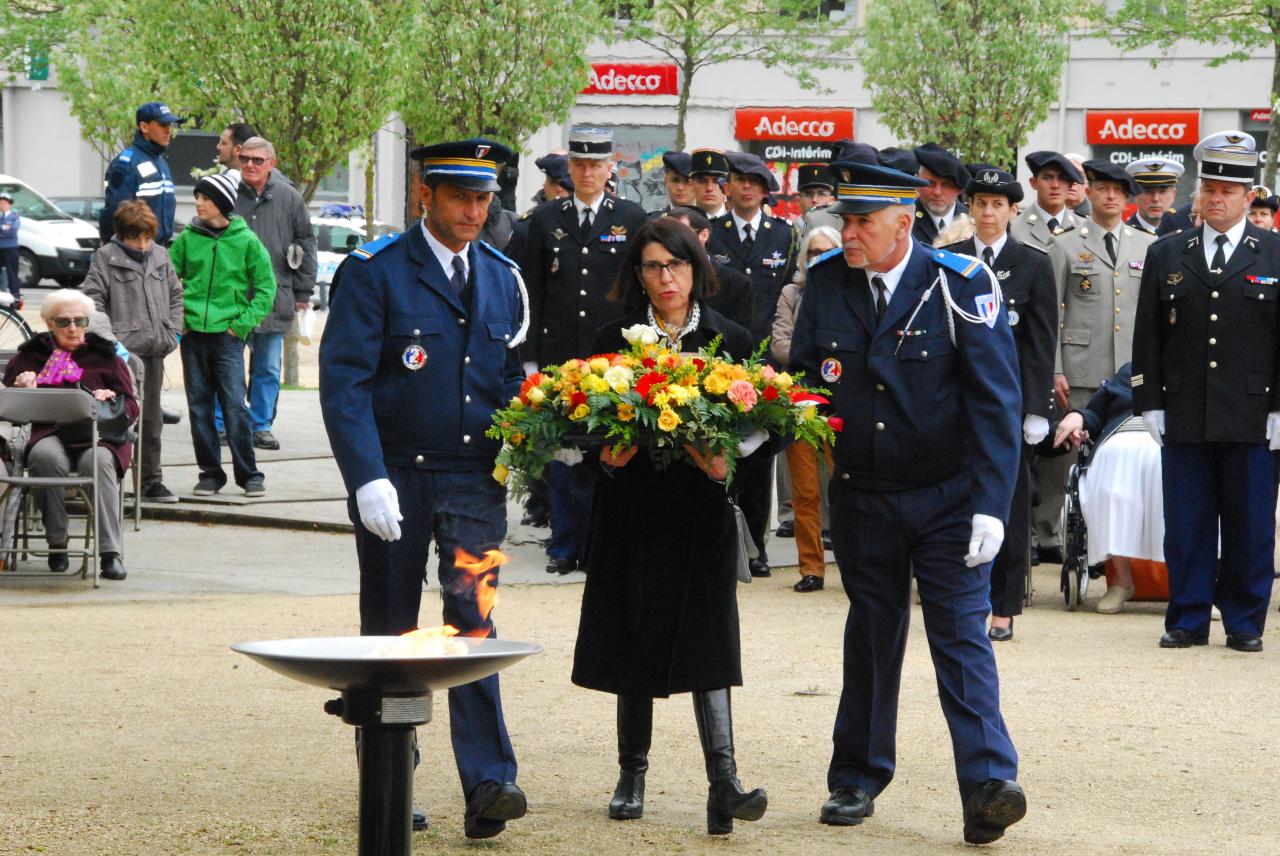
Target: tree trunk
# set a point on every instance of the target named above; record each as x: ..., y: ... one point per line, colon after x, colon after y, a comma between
x: 686, y: 83
x: 369, y: 175
x: 410, y: 186
x: 1273, y: 138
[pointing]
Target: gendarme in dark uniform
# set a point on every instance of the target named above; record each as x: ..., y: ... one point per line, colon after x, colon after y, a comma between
x: 1031, y: 304
x: 945, y: 175
x: 924, y: 473
x: 1206, y: 380
x: 418, y: 352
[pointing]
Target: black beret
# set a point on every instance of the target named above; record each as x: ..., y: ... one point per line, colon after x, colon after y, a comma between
x: 557, y: 169
x: 942, y: 163
x: 848, y: 150
x: 903, y: 160
x: 678, y: 162
x: 989, y: 179
x: 1104, y: 170
x: 745, y: 163
x: 1037, y: 161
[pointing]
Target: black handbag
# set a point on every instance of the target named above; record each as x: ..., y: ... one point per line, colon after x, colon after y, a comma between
x: 113, y: 425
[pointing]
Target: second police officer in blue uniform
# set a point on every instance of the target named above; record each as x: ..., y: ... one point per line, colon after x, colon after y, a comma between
x: 141, y: 172
x: 418, y: 352
x: 916, y: 348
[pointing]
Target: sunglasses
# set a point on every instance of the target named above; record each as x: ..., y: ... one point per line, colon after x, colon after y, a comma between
x: 64, y: 323
x: 256, y: 161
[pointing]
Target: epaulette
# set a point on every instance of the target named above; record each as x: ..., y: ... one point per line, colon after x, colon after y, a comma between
x: 1035, y: 247
x: 377, y: 245
x: 126, y: 155
x: 966, y: 267
x: 828, y: 254
x: 493, y: 251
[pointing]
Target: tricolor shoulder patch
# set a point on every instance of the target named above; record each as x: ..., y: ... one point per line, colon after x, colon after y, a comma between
x: 966, y: 266
x: 493, y: 251
x: 377, y: 245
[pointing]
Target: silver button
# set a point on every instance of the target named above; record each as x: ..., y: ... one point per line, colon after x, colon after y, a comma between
x: 462, y: 322
x: 1213, y: 364
x: 466, y: 361
x: 1213, y: 341
x: 417, y: 332
x: 506, y: 336
x: 583, y: 292
x: 1012, y: 301
x: 582, y: 313
x: 1214, y: 295
x: 555, y: 249
x: 879, y: 387
x: 466, y: 438
x: 835, y: 344
x: 844, y: 476
x: 584, y: 271
x: 879, y: 426
x: 613, y: 249
x: 924, y: 354
x: 585, y: 251
x: 748, y: 271
x: 1213, y: 317
x: 419, y: 459
x: 466, y: 399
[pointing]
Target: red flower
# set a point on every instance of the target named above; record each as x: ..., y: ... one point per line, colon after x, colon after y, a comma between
x: 699, y: 364
x: 647, y: 382
x: 577, y: 398
x: 799, y: 395
x: 770, y: 393
x: 649, y: 362
x: 530, y: 382
x: 836, y: 423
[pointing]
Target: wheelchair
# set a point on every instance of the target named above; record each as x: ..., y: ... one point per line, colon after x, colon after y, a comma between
x: 1076, y: 571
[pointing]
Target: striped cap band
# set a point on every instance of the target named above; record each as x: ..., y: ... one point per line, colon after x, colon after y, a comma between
x: 461, y: 167
x: 877, y: 193
x: 1155, y: 179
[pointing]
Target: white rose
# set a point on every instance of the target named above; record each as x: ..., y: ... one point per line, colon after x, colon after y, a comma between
x: 640, y: 334
x: 619, y: 376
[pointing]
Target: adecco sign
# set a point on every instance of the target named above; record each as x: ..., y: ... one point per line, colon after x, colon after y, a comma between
x: 1144, y: 128
x: 784, y: 124
x: 629, y: 78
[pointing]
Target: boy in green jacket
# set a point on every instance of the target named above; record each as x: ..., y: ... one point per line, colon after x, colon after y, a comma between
x: 228, y: 288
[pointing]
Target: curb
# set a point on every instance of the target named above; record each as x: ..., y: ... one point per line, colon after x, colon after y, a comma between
x: 201, y: 515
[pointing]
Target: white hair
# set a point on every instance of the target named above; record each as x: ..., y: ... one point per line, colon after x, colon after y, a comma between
x: 254, y: 144
x: 802, y: 256
x: 54, y: 301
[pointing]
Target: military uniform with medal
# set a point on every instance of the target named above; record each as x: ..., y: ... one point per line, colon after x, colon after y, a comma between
x: 420, y: 348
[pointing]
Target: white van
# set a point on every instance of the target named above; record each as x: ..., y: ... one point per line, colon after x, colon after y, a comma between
x: 51, y: 243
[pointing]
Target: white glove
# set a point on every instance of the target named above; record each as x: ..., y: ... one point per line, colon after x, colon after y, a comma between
x: 1154, y: 420
x: 752, y: 441
x: 1273, y: 431
x: 529, y: 368
x: 984, y: 543
x: 379, y: 509
x: 568, y: 457
x: 1034, y: 429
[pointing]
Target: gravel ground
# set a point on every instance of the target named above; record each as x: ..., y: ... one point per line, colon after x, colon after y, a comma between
x: 130, y: 728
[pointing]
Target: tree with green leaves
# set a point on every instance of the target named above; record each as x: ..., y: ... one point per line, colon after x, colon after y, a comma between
x: 499, y: 67
x: 971, y: 75
x: 793, y: 35
x: 1234, y: 28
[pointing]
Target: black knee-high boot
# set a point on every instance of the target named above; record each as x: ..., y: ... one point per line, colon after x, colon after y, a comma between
x: 635, y: 727
x: 725, y: 799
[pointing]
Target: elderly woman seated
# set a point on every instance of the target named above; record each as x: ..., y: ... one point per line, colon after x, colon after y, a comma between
x: 70, y: 357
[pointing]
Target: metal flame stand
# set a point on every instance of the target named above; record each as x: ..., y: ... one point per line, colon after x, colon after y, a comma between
x: 385, y: 753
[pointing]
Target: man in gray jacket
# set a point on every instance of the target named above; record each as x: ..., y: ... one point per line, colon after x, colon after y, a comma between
x: 277, y: 214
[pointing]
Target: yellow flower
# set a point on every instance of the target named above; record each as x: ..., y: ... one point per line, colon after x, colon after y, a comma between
x: 679, y: 394
x: 599, y: 365
x: 500, y: 473
x: 536, y: 395
x: 739, y: 372
x: 716, y: 383
x: 517, y: 404
x: 580, y: 412
x: 807, y: 413
x: 661, y: 399
x: 783, y: 381
x: 625, y: 412
x: 667, y: 420
x: 594, y: 384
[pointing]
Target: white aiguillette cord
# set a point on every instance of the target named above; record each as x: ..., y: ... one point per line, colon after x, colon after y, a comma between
x: 953, y: 308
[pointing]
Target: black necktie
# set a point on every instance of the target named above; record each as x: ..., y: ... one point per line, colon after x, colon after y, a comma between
x: 988, y: 257
x: 942, y: 224
x: 747, y: 240
x: 1053, y: 225
x: 1110, y: 240
x: 586, y: 223
x: 882, y: 300
x: 1220, y: 257
x: 459, y: 278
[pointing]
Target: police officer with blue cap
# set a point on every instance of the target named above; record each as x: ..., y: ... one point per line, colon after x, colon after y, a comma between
x: 141, y: 172
x: 419, y: 350
x: 916, y: 347
x: 1206, y: 347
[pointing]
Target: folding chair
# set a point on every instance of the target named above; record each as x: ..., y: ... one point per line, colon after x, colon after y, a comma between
x: 135, y: 373
x: 60, y: 407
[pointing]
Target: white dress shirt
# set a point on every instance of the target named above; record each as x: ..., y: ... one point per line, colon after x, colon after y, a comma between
x: 995, y: 248
x: 445, y: 256
x: 891, y: 277
x: 755, y: 225
x: 1234, y: 234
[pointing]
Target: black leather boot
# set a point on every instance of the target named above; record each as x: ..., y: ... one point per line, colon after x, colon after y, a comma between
x: 726, y: 799
x: 635, y: 727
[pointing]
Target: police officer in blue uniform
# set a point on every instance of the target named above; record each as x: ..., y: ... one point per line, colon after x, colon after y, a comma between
x: 1031, y: 303
x: 939, y: 203
x: 916, y: 348
x: 1206, y: 380
x: 141, y: 172
x: 760, y: 246
x: 418, y: 352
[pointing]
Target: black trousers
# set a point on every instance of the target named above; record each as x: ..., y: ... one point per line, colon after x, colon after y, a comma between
x: 1009, y: 571
x: 753, y: 492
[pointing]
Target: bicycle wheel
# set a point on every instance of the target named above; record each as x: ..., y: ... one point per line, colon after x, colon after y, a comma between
x: 14, y: 330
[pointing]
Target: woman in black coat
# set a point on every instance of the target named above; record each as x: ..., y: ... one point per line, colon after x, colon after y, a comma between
x: 660, y: 611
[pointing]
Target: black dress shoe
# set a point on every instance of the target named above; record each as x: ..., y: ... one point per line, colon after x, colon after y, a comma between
x: 170, y: 417
x: 419, y: 820
x: 786, y: 529
x: 1001, y: 634
x: 561, y: 566
x: 1179, y: 638
x: 58, y: 562
x: 490, y: 806
x: 993, y: 807
x: 809, y: 582
x: 759, y: 568
x: 827, y: 543
x: 537, y: 521
x: 111, y: 568
x: 1246, y: 642
x: 847, y: 807
x: 1050, y: 555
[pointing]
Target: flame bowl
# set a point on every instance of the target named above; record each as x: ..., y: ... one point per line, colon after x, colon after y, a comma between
x: 346, y: 663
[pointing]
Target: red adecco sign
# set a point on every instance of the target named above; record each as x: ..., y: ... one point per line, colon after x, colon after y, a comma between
x: 631, y: 78
x: 1142, y: 127
x: 785, y: 124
